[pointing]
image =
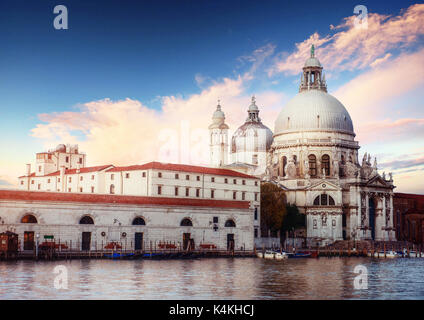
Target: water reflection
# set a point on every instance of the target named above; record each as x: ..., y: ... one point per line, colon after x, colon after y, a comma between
x: 324, y: 278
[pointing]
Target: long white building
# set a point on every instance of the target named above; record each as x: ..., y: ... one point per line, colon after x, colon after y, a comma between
x: 139, y: 204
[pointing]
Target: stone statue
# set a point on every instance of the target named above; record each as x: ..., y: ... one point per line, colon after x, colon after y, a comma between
x: 390, y: 176
x: 306, y: 169
x: 336, y: 168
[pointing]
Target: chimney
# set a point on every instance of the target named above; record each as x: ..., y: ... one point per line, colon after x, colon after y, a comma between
x: 28, y: 169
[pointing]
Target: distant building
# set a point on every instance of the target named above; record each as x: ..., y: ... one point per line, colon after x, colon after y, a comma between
x: 409, y: 217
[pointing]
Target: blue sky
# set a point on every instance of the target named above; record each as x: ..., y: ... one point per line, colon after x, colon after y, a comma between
x: 148, y: 50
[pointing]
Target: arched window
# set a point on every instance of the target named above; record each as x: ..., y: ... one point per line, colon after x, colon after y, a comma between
x: 139, y: 221
x: 325, y: 164
x: 86, y: 220
x: 312, y: 165
x: 324, y: 200
x: 186, y: 222
x: 112, y: 189
x: 29, y: 218
x: 230, y: 223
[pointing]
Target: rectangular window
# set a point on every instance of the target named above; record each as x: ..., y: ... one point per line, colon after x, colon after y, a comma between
x: 112, y: 176
x: 92, y: 189
x: 243, y: 196
x: 22, y: 183
x: 176, y: 191
x: 69, y: 190
x: 212, y: 179
x: 160, y: 174
x: 39, y: 168
x: 80, y: 189
x: 215, y: 219
x: 177, y: 176
x: 244, y: 182
x: 144, y: 174
x: 226, y: 180
x: 256, y: 213
x: 70, y: 179
x: 127, y: 175
x: 198, y: 178
x: 92, y: 177
x: 256, y: 183
x: 39, y: 186
x: 80, y: 160
x: 48, y: 180
x: 235, y: 181
x: 187, y: 192
x: 198, y: 193
x: 234, y: 195
x: 58, y: 179
x: 81, y: 178
x: 159, y: 189
x: 67, y: 159
x: 256, y: 197
x: 212, y: 194
x: 187, y: 177
x: 32, y: 181
x: 256, y: 232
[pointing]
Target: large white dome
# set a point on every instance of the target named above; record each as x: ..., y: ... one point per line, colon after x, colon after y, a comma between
x: 313, y: 110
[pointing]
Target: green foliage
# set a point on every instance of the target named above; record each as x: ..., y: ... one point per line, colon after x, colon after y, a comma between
x: 273, y: 207
x: 293, y: 219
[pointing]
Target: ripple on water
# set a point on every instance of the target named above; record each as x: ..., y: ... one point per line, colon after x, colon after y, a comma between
x: 324, y: 278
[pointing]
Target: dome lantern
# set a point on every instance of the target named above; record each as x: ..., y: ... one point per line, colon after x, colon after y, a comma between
x: 312, y: 77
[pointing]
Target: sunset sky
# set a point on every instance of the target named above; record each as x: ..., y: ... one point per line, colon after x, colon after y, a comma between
x: 134, y: 81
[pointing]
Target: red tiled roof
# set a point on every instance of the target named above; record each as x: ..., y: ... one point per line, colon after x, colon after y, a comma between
x: 31, y: 175
x: 117, y: 199
x: 409, y: 196
x: 82, y: 170
x: 184, y: 168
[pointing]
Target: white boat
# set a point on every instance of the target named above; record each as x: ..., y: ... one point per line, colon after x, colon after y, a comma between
x: 269, y: 254
x: 415, y: 254
x: 381, y: 254
x: 260, y: 254
x: 281, y: 255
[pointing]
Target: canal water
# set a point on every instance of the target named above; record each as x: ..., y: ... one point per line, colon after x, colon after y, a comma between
x: 221, y: 278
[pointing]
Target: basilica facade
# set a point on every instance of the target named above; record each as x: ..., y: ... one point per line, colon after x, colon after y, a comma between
x: 313, y: 156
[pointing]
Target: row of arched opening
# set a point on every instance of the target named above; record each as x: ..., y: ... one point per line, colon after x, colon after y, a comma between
x: 138, y: 221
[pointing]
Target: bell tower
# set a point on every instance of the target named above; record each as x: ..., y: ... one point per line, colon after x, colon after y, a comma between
x: 312, y: 77
x: 218, y: 138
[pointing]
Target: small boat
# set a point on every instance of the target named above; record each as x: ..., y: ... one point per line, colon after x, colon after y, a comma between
x: 298, y: 255
x: 280, y: 255
x: 381, y: 254
x: 414, y: 254
x: 260, y: 254
x: 269, y: 254
x: 118, y: 255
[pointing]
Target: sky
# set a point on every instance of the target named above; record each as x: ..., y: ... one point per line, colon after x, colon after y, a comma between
x: 135, y: 81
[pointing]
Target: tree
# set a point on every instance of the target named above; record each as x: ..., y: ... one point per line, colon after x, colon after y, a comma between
x: 273, y: 207
x: 292, y: 220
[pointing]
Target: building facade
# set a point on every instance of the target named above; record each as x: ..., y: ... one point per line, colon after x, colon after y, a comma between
x: 409, y: 217
x: 92, y: 221
x: 314, y: 158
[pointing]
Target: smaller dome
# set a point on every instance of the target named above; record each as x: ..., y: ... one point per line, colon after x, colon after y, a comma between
x: 218, y: 119
x: 218, y: 114
x: 61, y: 148
x: 312, y: 62
x: 252, y: 136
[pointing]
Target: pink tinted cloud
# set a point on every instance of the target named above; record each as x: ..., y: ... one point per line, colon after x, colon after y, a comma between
x: 351, y: 48
x: 128, y: 132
